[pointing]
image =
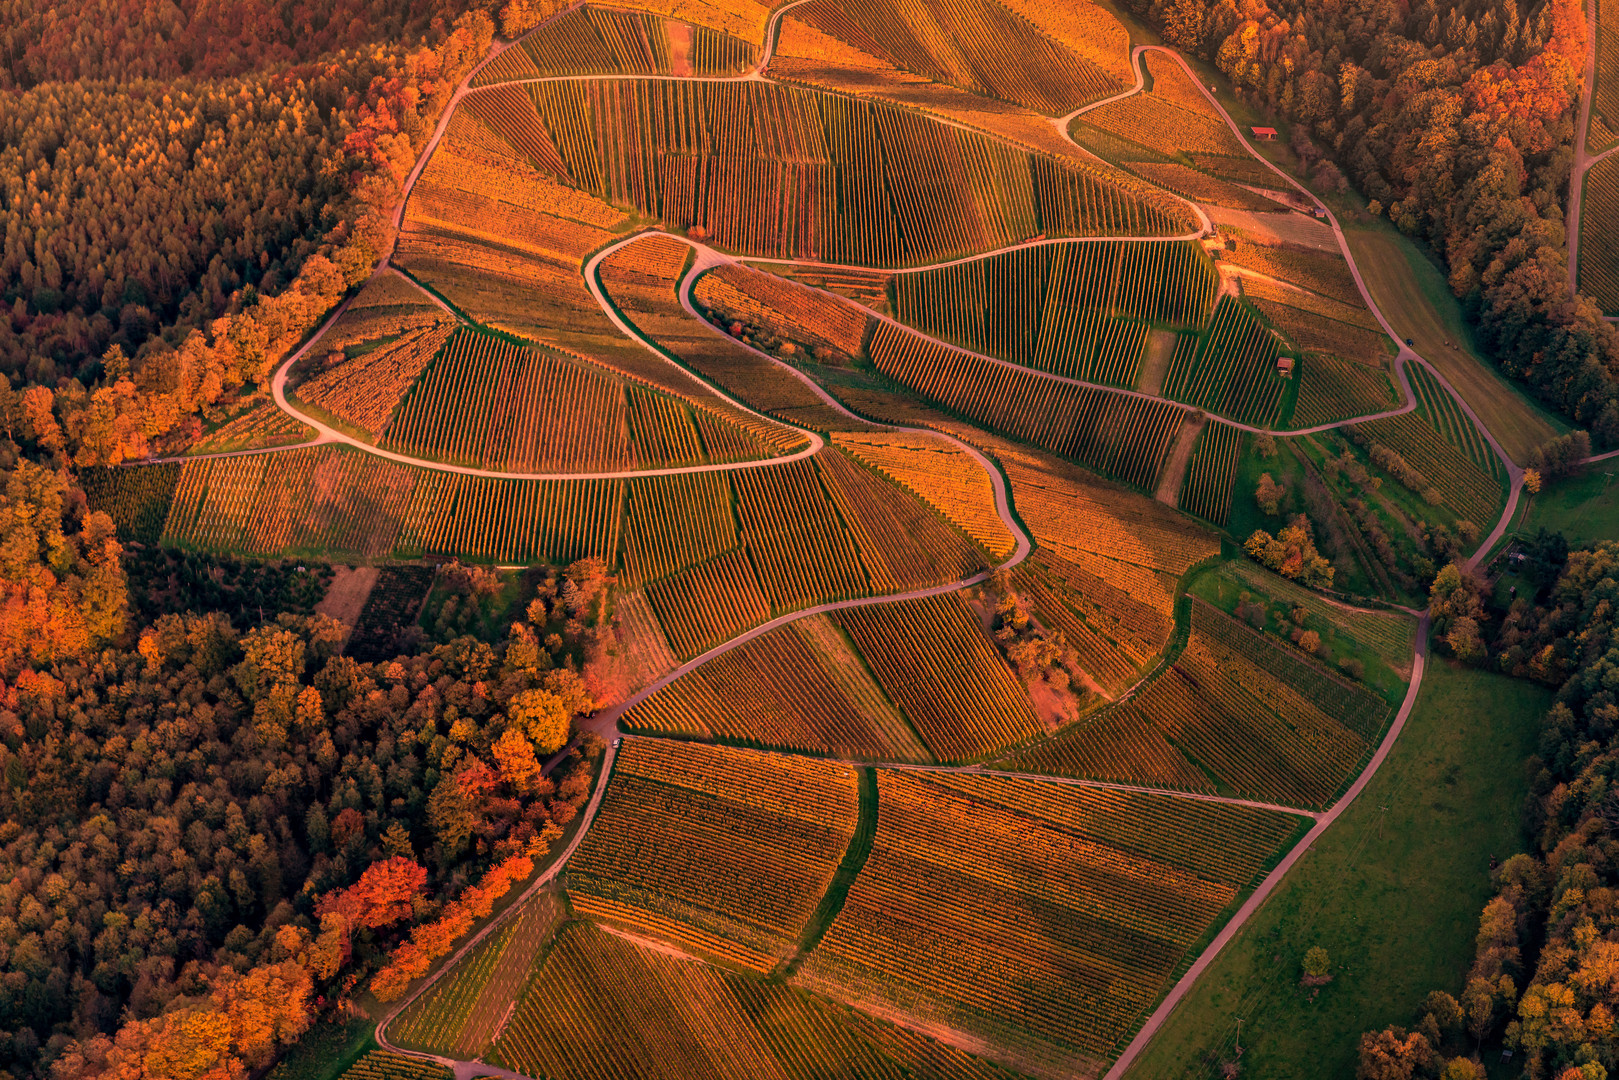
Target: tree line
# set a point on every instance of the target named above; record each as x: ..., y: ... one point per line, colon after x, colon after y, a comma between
x: 1543, y: 977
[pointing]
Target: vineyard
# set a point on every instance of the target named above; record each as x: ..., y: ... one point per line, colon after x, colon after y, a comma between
x: 331, y: 500
x: 801, y: 549
x: 980, y: 46
x: 603, y: 1008
x: 708, y: 604
x: 934, y: 662
x: 1136, y: 544
x: 904, y: 543
x: 1078, y: 310
x: 322, y: 499
x: 1436, y: 405
x: 734, y: 293
x: 514, y: 521
x: 1605, y: 95
x: 722, y: 852
x: 1116, y: 435
x: 1198, y: 186
x: 1233, y: 373
x: 779, y: 172
x: 491, y: 404
x: 1172, y: 118
x: 364, y: 391
x: 1323, y: 272
x: 1472, y: 492
x: 799, y: 687
x: 260, y: 426
x: 675, y: 522
x: 1207, y: 491
x: 1333, y: 389
x: 1045, y: 929
x: 596, y: 41
x: 1316, y: 324
x: 137, y: 499
x: 948, y: 478
x: 1266, y: 721
x: 388, y: 306
x: 642, y: 278
x: 381, y: 1065
x: 459, y: 1015
x: 1094, y: 619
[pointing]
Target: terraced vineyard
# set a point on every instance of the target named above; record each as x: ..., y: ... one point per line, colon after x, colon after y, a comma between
x: 1076, y: 310
x: 1045, y: 928
x: 1265, y: 720
x: 800, y: 687
x: 1599, y: 240
x: 1233, y: 373
x: 461, y: 1013
x: 1119, y: 436
x: 934, y: 662
x: 1474, y: 493
x: 1207, y: 490
x: 946, y: 477
x: 703, y: 293
x: 596, y: 41
x: 602, y: 1007
x: 722, y: 852
x: 787, y: 173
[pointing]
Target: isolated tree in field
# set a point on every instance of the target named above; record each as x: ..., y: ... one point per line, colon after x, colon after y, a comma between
x: 1457, y: 611
x: 1531, y: 481
x: 1309, y: 641
x: 1269, y: 494
x: 1317, y: 964
x: 1265, y: 446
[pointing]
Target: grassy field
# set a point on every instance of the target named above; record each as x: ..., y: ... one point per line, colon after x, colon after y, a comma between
x: 1393, y: 893
x: 1380, y: 641
x: 1417, y: 301
x: 325, y: 1051
x: 1583, y: 508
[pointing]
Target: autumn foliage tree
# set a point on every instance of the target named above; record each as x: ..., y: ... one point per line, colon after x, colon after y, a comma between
x: 61, y: 585
x: 1292, y: 553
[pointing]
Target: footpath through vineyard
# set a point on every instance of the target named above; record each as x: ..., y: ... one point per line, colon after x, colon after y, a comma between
x: 605, y: 722
x: 709, y: 257
x: 1583, y: 161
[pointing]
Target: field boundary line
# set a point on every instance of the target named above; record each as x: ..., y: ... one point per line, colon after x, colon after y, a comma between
x: 1262, y: 892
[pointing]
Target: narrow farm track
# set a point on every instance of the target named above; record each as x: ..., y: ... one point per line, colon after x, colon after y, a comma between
x: 465, y: 1069
x: 1257, y: 899
x: 605, y: 722
x: 1582, y: 160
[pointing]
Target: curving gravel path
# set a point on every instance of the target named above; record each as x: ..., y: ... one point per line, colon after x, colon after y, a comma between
x: 605, y: 722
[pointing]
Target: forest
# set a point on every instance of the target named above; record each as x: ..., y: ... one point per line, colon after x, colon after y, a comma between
x: 201, y: 822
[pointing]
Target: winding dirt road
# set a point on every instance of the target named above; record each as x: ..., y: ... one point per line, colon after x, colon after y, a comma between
x: 605, y: 722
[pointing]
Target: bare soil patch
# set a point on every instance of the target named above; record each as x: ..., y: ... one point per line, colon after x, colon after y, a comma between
x: 346, y: 596
x: 1160, y: 351
x: 1180, y: 457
